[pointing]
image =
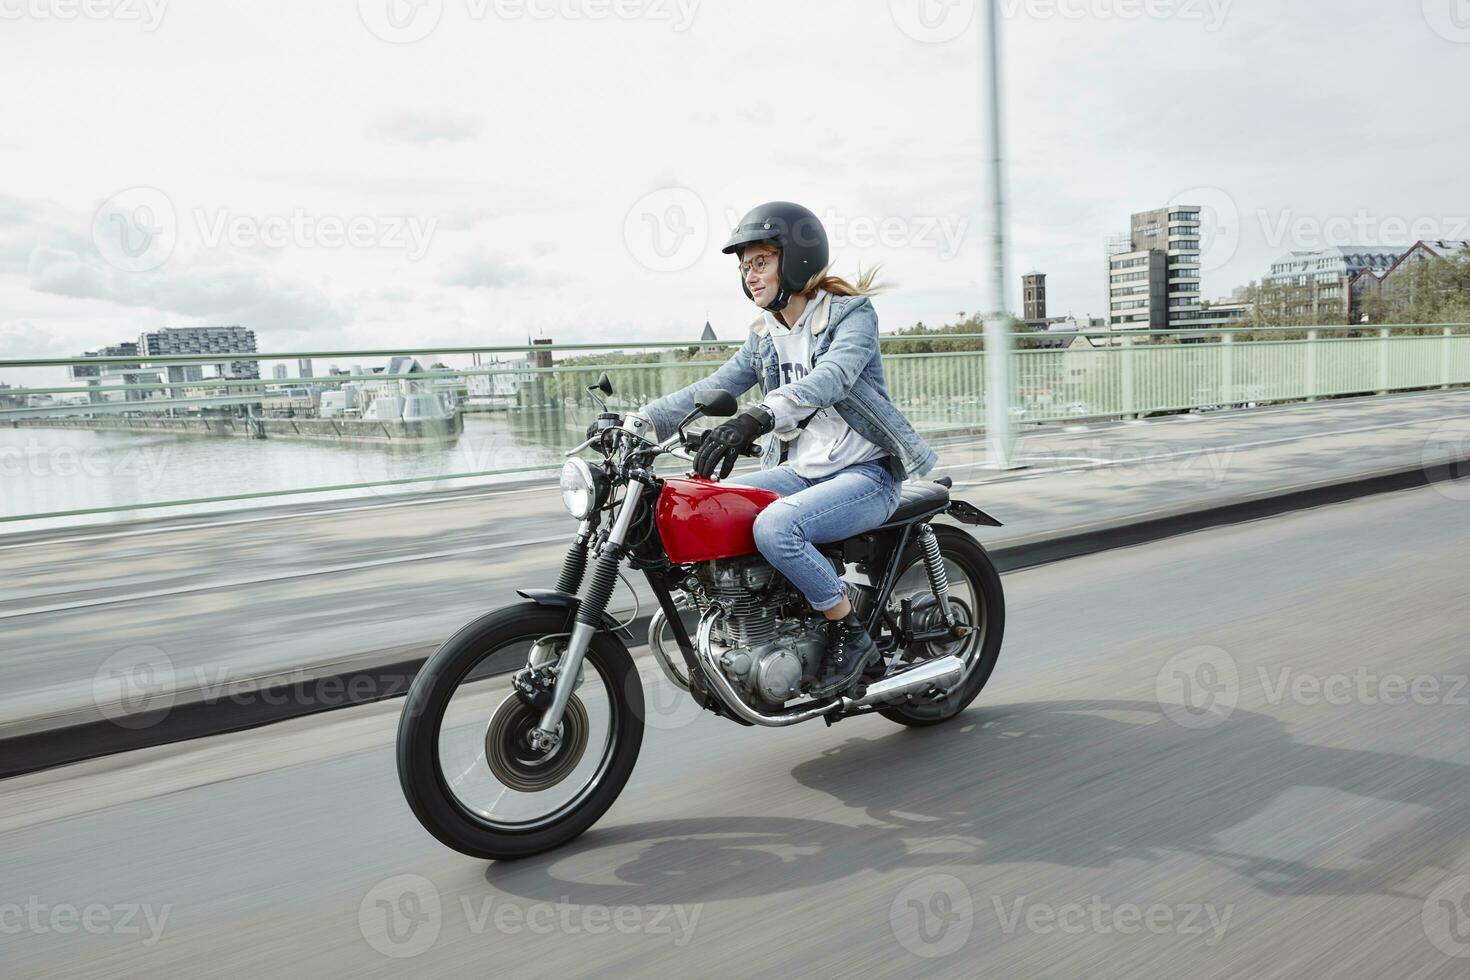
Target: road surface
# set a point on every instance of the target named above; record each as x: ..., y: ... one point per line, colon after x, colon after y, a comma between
x: 1241, y: 752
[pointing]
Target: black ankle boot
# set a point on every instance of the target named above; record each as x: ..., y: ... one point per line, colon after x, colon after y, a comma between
x: 849, y: 650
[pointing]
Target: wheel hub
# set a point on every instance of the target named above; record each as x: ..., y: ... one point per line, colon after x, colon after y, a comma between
x: 509, y: 747
x: 925, y: 615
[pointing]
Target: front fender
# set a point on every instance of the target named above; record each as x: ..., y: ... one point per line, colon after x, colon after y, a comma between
x: 564, y: 600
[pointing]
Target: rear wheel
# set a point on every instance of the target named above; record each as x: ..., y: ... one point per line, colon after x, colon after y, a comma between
x: 975, y: 598
x: 465, y: 761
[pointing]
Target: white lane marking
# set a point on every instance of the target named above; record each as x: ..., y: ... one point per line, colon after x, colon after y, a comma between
x: 274, y: 518
x: 1256, y: 444
x: 307, y: 573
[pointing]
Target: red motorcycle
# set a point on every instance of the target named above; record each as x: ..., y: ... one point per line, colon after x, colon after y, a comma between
x: 557, y: 682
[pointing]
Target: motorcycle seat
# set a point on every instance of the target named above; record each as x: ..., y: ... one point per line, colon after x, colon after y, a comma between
x: 919, y: 499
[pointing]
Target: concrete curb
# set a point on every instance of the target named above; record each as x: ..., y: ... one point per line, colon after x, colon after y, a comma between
x: 273, y: 700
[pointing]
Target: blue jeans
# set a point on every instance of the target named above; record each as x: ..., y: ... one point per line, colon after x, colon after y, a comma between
x: 813, y: 512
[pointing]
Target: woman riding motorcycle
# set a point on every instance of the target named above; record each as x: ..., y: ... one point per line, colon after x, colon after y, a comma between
x: 842, y: 449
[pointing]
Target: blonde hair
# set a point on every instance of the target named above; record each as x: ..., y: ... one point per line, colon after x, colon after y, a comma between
x: 867, y: 284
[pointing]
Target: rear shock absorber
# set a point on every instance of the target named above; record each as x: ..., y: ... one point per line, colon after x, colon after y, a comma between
x: 934, y: 567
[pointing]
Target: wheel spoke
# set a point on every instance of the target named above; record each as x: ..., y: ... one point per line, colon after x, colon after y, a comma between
x: 488, y: 765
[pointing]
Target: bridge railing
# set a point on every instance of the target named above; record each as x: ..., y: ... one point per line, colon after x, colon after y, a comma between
x: 542, y: 407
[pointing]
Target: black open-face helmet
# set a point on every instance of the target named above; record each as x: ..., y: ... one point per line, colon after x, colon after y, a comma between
x: 797, y: 232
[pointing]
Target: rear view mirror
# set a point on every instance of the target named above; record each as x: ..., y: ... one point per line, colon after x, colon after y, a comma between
x: 604, y: 384
x: 716, y: 403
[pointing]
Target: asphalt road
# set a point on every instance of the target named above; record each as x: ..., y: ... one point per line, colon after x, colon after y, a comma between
x: 220, y: 600
x: 1237, y: 753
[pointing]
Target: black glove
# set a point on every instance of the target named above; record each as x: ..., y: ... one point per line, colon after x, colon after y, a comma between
x: 724, y: 443
x: 603, y: 421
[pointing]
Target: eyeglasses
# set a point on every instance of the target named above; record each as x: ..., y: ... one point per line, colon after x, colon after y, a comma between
x: 760, y: 263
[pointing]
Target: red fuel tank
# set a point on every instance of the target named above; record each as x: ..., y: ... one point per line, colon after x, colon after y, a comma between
x: 699, y: 520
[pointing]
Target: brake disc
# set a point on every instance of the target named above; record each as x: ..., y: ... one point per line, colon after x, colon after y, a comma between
x: 515, y: 763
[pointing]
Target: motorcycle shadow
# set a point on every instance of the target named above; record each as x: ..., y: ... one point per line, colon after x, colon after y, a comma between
x: 1081, y: 784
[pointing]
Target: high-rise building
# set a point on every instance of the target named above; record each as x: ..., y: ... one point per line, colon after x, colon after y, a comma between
x: 1153, y: 272
x: 1033, y: 296
x: 303, y: 368
x: 206, y: 342
x: 279, y: 372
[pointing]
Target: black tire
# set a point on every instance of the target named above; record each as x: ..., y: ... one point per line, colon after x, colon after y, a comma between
x: 959, y: 547
x: 419, y: 769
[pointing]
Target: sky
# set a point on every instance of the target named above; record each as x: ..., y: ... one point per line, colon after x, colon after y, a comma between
x: 370, y: 173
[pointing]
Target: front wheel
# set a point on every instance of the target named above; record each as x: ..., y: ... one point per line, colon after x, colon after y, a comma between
x: 977, y: 601
x: 464, y: 757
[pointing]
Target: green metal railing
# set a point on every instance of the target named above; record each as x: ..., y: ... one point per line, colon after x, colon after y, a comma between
x: 1100, y: 375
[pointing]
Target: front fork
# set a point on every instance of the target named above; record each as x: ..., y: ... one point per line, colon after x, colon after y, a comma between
x: 589, y: 616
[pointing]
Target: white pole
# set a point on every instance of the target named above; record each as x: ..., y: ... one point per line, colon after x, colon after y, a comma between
x: 999, y: 428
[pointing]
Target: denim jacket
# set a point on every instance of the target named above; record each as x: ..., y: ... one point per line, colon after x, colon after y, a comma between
x: 847, y: 374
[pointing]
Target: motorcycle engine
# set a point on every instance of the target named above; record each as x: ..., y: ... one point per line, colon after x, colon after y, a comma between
x: 767, y: 644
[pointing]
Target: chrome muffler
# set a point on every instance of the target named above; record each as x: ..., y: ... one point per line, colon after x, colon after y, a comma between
x: 938, y: 675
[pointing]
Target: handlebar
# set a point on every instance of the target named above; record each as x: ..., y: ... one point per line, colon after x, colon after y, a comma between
x: 694, y: 440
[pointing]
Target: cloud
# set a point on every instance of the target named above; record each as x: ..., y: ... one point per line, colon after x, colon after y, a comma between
x: 22, y: 338
x: 483, y: 272
x: 426, y: 128
x: 235, y: 291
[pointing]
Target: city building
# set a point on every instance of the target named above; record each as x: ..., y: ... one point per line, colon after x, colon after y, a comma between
x: 1318, y: 286
x: 303, y: 368
x: 1033, y: 297
x: 208, y: 342
x: 279, y: 372
x: 709, y: 332
x: 1222, y: 313
x: 1154, y: 271
x: 1395, y: 286
x: 109, y: 375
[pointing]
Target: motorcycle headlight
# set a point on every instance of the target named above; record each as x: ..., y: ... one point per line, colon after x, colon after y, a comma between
x: 583, y: 487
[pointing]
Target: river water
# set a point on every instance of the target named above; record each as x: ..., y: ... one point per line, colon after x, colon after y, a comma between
x: 45, y: 471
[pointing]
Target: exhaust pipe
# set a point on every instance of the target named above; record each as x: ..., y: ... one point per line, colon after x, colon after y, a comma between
x: 660, y: 654
x: 941, y: 674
